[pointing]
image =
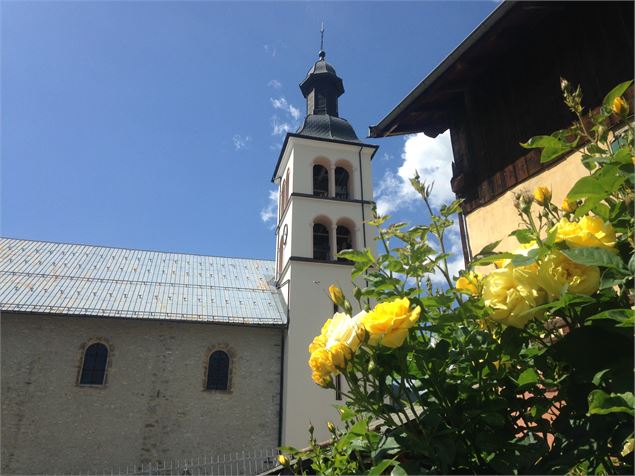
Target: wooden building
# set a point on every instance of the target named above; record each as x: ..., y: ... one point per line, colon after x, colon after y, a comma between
x: 501, y: 86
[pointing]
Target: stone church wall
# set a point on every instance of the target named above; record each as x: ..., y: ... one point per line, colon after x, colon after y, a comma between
x: 154, y: 405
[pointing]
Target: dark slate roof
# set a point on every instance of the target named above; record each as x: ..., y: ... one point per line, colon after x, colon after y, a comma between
x: 321, y: 66
x: 329, y: 127
x: 70, y: 279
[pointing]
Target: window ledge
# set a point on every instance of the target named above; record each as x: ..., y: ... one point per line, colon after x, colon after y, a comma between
x: 322, y: 261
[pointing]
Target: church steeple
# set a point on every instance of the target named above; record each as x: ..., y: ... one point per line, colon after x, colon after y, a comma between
x: 325, y: 198
x: 321, y: 88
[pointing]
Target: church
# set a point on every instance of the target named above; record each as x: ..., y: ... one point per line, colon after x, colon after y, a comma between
x: 114, y: 357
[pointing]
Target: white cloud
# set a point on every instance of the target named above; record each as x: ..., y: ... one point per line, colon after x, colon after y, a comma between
x: 432, y: 158
x: 268, y: 214
x: 386, y: 157
x: 275, y: 84
x: 294, y: 111
x: 240, y: 142
x: 280, y: 127
x: 281, y: 103
x: 271, y: 50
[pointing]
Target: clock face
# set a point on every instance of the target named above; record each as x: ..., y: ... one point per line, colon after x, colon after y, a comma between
x: 285, y: 232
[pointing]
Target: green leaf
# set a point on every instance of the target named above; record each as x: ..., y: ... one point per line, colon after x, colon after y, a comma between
x: 530, y: 257
x: 398, y: 471
x: 542, y: 142
x: 625, y: 317
x: 587, y: 187
x: 489, y: 248
x: 617, y: 91
x: 523, y: 235
x: 601, y: 403
x: 614, y: 277
x: 597, y: 378
x: 594, y: 257
x: 528, y: 377
x: 552, y: 147
x: 491, y: 258
x: 451, y: 209
x: 380, y: 467
x: 355, y: 255
x: 360, y: 428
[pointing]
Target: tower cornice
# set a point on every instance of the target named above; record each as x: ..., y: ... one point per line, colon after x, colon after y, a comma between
x: 292, y: 136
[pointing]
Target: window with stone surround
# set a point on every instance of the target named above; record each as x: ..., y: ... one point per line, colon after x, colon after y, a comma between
x: 94, y: 365
x: 218, y: 371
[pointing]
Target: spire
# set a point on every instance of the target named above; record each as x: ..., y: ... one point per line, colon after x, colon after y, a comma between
x: 322, y: 53
x: 321, y: 88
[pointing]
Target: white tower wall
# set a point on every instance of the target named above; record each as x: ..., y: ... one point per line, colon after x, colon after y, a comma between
x: 304, y: 281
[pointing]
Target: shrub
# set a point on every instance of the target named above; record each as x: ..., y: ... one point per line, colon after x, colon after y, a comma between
x: 527, y: 369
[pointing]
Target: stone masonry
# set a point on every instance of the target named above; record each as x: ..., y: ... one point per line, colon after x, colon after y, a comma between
x: 154, y: 405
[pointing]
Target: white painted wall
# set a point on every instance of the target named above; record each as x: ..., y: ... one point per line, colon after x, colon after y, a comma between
x: 306, y: 283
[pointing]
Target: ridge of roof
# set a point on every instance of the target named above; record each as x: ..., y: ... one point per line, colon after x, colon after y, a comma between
x: 92, y: 245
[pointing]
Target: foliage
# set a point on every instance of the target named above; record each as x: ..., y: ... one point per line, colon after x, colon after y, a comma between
x: 526, y: 370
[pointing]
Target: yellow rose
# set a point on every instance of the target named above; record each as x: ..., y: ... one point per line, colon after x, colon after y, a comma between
x: 321, y: 362
x: 283, y: 460
x: 512, y: 293
x: 345, y: 330
x: 321, y: 379
x: 337, y: 296
x: 542, y: 195
x: 569, y: 206
x: 331, y: 426
x: 388, y: 323
x: 339, y: 338
x: 523, y: 249
x: 469, y: 282
x: 590, y: 231
x: 318, y: 343
x: 619, y: 105
x: 557, y: 272
x: 627, y: 449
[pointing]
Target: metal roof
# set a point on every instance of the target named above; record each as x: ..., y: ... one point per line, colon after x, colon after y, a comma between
x: 328, y: 127
x: 86, y: 280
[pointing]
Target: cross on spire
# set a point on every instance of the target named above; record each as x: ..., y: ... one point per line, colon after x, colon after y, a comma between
x: 322, y: 54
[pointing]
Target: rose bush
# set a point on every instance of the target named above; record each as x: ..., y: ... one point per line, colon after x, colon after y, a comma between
x: 526, y: 369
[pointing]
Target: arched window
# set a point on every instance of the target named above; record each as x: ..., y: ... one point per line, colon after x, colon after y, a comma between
x: 283, y: 197
x: 321, y: 247
x: 94, y: 365
x: 320, y: 181
x: 344, y: 240
x: 218, y: 371
x: 341, y: 183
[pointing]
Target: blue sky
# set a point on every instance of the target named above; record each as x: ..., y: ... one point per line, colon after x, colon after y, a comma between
x: 157, y: 125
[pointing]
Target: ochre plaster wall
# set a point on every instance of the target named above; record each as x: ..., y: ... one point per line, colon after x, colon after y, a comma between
x: 154, y: 405
x: 497, y: 219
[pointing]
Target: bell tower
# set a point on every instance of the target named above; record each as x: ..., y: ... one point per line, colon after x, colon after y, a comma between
x: 325, y: 198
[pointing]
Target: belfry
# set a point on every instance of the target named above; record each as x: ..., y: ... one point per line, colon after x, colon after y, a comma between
x: 325, y: 198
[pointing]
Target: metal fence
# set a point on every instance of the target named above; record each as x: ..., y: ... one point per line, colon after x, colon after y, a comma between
x: 245, y: 462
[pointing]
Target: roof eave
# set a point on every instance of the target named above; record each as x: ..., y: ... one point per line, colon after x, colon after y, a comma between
x: 388, y: 124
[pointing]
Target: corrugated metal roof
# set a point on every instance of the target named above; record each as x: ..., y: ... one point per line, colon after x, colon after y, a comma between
x: 60, y: 278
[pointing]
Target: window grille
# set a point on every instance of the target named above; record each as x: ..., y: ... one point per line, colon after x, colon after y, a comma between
x: 341, y: 183
x: 321, y: 248
x: 320, y: 181
x: 344, y: 240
